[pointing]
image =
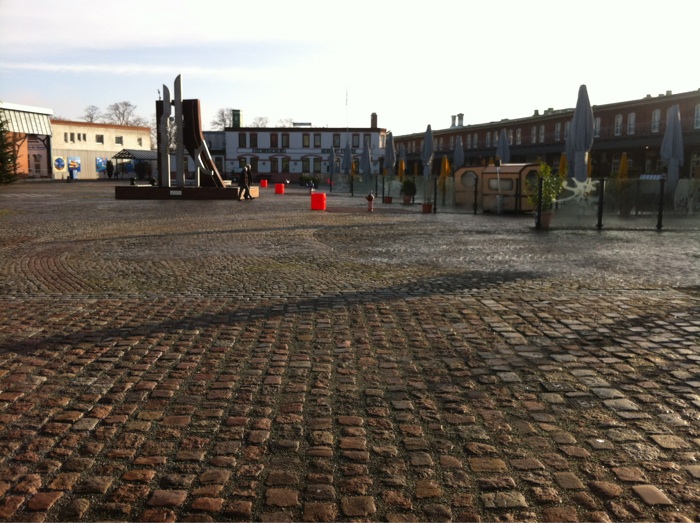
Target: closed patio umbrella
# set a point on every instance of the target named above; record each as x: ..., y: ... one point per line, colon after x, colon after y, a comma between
x: 389, y: 159
x: 331, y: 166
x: 427, y: 151
x: 503, y: 147
x: 580, y: 139
x: 347, y: 158
x: 366, y: 160
x: 347, y: 165
x: 672, y: 146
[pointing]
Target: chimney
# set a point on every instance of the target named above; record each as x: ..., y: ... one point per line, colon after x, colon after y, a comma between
x: 668, y: 93
x: 537, y: 112
x: 460, y: 119
x: 236, y: 118
x: 374, y: 120
x: 454, y: 117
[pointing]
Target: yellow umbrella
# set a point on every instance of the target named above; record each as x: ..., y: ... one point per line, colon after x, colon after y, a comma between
x: 402, y: 167
x: 563, y: 165
x: 623, y: 166
x: 444, y: 171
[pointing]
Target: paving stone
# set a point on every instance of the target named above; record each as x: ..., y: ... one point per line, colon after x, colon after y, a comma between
x: 487, y: 465
x: 75, y: 510
x: 282, y: 497
x: 606, y: 489
x: 630, y: 474
x: 459, y: 395
x: 208, y: 504
x: 568, y: 480
x: 320, y: 512
x: 167, y: 498
x: 651, y: 495
x: 668, y: 441
x: 499, y: 500
x: 358, y: 506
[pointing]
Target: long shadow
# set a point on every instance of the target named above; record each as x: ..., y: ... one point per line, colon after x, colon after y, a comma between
x: 233, y: 231
x: 442, y: 285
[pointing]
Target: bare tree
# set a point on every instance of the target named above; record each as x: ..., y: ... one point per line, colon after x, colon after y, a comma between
x: 285, y: 122
x: 222, y: 119
x: 123, y: 113
x: 259, y: 121
x: 92, y: 114
x: 171, y: 130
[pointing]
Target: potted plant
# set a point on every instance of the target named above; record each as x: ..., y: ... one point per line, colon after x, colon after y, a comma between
x: 427, y: 205
x: 552, y: 186
x: 408, y: 190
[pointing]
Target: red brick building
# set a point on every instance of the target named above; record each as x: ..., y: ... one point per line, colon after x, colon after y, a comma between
x: 635, y: 127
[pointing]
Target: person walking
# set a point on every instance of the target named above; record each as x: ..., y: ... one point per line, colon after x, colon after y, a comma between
x: 244, y: 182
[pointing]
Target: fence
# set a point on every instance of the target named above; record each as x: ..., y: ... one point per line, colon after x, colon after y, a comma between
x: 647, y: 202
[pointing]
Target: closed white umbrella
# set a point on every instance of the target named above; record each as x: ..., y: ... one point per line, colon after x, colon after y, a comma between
x: 331, y: 166
x: 672, y: 146
x: 503, y: 147
x: 427, y: 152
x: 389, y: 159
x: 347, y: 158
x: 580, y: 139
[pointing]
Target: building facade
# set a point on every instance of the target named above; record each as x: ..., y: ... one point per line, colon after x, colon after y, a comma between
x: 86, y: 147
x: 635, y: 127
x: 29, y: 130
x: 286, y: 153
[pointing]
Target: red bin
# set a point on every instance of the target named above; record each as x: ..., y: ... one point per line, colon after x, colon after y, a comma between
x: 279, y: 188
x: 318, y: 201
x: 263, y: 183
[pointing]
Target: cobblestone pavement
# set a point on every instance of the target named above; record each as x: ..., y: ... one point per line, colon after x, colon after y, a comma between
x: 223, y: 360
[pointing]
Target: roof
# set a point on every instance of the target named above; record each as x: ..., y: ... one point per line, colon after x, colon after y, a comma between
x: 135, y: 154
x: 25, y: 119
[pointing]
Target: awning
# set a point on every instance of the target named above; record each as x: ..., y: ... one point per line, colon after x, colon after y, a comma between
x: 135, y: 154
x: 27, y: 120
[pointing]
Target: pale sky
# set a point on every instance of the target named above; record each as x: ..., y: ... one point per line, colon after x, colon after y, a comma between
x: 334, y: 63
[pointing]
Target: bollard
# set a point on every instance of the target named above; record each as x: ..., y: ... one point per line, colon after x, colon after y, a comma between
x: 370, y: 201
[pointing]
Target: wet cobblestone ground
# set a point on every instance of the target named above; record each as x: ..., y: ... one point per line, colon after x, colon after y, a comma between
x: 215, y: 361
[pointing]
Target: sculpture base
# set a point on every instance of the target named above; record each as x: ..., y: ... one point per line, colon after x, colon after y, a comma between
x: 147, y: 192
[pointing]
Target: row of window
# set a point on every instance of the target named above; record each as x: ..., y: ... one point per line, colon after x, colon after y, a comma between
x: 537, y: 132
x: 277, y: 140
x: 99, y: 138
x: 281, y: 164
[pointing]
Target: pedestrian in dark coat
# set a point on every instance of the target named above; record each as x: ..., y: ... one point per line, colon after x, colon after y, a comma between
x: 244, y: 182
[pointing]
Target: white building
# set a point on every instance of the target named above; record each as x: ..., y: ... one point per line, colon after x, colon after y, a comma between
x: 88, y: 146
x: 279, y: 153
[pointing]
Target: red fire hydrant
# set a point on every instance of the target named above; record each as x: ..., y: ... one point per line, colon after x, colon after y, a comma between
x: 370, y: 201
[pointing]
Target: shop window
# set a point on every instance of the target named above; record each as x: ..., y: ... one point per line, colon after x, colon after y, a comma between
x: 617, y: 130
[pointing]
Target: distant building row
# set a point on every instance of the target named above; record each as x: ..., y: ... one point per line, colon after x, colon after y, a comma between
x: 49, y: 148
x: 635, y: 127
